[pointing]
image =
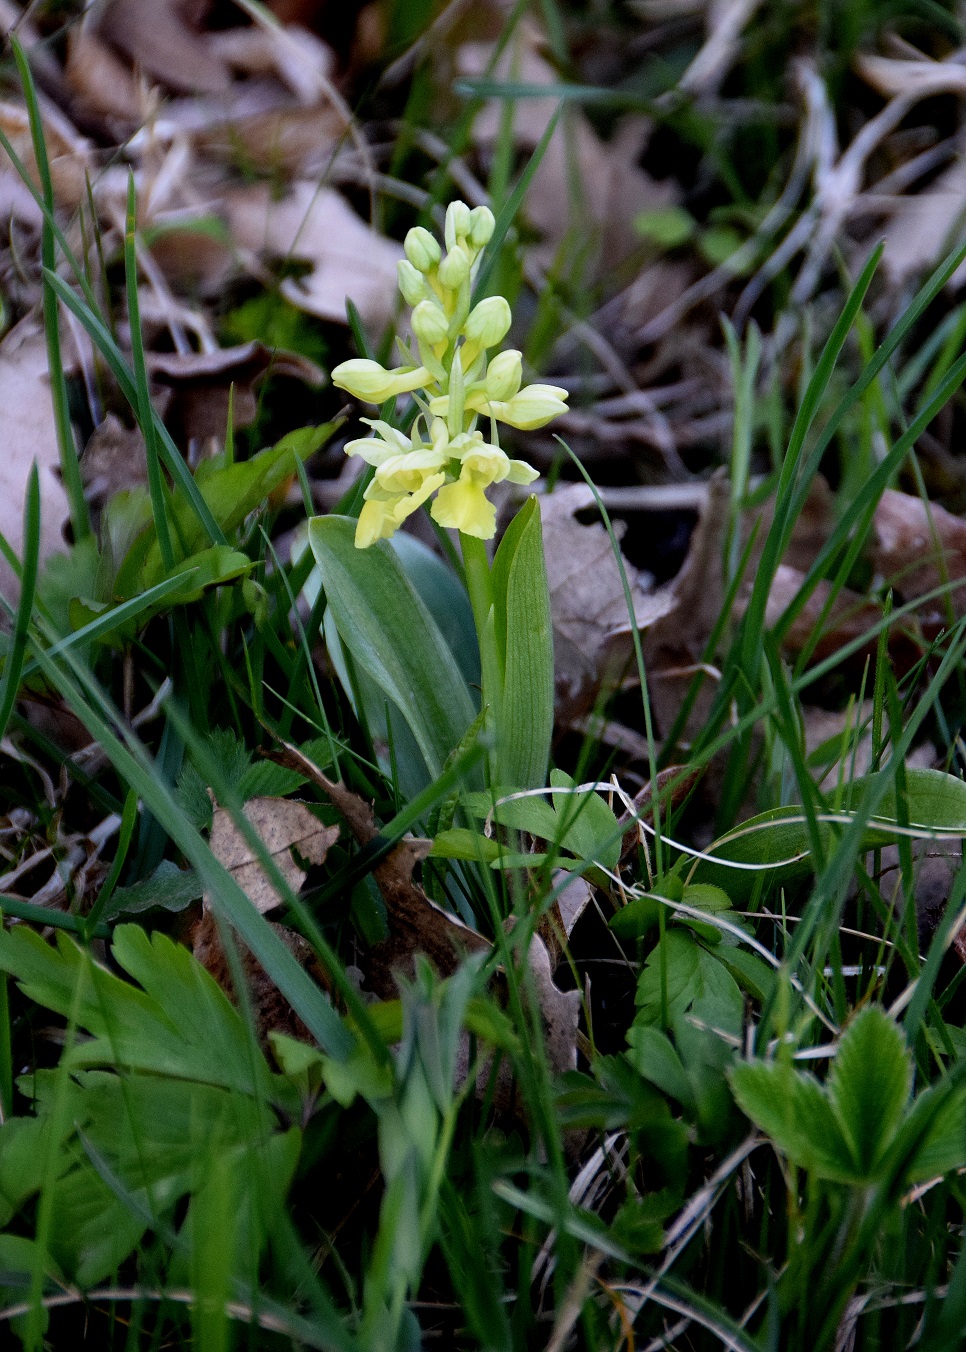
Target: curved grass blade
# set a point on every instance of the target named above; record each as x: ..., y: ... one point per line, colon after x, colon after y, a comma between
x: 13, y: 668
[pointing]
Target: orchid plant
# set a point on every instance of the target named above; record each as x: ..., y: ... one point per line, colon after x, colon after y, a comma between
x: 463, y: 388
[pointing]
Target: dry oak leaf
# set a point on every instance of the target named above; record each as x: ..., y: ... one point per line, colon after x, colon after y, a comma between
x: 287, y: 828
x: 348, y: 257
x: 591, y: 635
x: 27, y: 434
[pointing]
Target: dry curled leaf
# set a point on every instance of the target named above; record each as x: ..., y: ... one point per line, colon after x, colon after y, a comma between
x: 674, y: 646
x: 27, y: 434
x: 68, y: 152
x: 925, y: 227
x: 114, y: 461
x: 416, y: 924
x: 316, y: 225
x: 202, y: 385
x: 290, y: 832
x: 293, y: 837
x: 614, y: 188
x: 591, y: 636
x: 164, y: 38
x: 918, y: 548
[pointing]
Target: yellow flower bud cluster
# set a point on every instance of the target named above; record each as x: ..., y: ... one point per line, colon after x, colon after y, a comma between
x: 454, y: 382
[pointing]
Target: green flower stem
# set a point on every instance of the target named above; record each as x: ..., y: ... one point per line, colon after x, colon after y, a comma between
x: 479, y: 584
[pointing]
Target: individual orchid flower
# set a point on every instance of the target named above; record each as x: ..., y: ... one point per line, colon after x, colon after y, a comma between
x: 369, y: 381
x: 463, y: 505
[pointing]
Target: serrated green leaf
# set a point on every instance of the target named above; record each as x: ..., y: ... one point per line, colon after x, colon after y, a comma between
x: 869, y: 1085
x: 669, y: 977
x: 168, y: 888
x: 793, y: 1110
x: 180, y: 1024
x: 653, y: 1055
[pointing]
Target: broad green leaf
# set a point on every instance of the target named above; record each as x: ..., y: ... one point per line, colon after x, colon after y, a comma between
x: 446, y: 600
x: 793, y: 1110
x: 460, y: 843
x: 392, y: 637
x: 533, y: 814
x: 521, y: 600
x: 231, y: 493
x: 869, y: 1085
x: 592, y: 831
x: 935, y: 804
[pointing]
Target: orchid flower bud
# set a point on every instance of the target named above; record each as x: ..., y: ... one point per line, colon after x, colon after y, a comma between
x: 429, y: 324
x: 412, y: 285
x: 459, y: 220
x: 488, y: 323
x: 422, y: 249
x: 504, y: 374
x: 482, y: 225
x: 454, y: 270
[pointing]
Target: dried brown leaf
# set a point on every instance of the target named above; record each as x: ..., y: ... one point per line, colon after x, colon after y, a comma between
x: 163, y: 37
x: 850, y: 617
x: 27, y: 434
x: 613, y: 187
x: 674, y: 646
x: 589, y: 608
x: 924, y: 228
x: 287, y: 828
x: 203, y: 384
x: 920, y: 547
x: 67, y: 151
x: 416, y: 924
x: 316, y: 225
x: 101, y: 81
x: 114, y: 460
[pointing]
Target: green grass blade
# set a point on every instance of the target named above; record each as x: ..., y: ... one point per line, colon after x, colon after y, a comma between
x: 168, y: 451
x: 70, y: 468
x: 145, y: 412
x: 13, y: 668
